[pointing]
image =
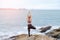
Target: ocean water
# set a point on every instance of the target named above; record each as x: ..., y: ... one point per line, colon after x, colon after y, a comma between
x: 13, y: 22
x: 46, y: 17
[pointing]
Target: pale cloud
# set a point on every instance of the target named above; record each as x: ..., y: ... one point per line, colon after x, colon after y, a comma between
x: 30, y: 4
x: 44, y: 4
x: 12, y: 3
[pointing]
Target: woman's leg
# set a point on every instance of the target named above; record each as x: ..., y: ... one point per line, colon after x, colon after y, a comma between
x: 29, y: 32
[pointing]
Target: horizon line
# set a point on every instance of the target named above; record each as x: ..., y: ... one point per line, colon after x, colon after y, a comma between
x: 25, y: 8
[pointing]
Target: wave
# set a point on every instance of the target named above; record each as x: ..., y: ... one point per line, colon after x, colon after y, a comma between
x: 22, y: 30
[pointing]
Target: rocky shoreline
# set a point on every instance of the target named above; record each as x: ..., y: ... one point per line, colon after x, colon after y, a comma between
x: 51, y: 35
x: 33, y: 37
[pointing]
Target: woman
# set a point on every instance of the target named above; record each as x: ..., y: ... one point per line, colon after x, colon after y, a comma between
x: 29, y: 20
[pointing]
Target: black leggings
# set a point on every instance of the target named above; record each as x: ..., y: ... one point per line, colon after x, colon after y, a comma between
x: 30, y: 27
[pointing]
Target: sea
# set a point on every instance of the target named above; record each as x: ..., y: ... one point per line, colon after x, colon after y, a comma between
x: 14, y: 22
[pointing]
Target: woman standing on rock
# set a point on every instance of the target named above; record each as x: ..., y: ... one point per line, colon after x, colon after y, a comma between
x: 29, y: 20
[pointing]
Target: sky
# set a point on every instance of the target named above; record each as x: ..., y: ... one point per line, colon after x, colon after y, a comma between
x: 30, y: 4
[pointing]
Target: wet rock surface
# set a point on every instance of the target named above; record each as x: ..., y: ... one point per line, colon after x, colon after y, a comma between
x: 54, y: 33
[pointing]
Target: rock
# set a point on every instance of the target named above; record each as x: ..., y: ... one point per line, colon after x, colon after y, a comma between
x: 54, y: 33
x: 33, y: 37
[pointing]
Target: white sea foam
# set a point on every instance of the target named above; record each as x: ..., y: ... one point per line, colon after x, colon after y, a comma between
x: 22, y: 30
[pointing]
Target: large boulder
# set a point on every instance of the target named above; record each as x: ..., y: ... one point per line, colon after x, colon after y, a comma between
x: 54, y: 33
x: 33, y: 37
